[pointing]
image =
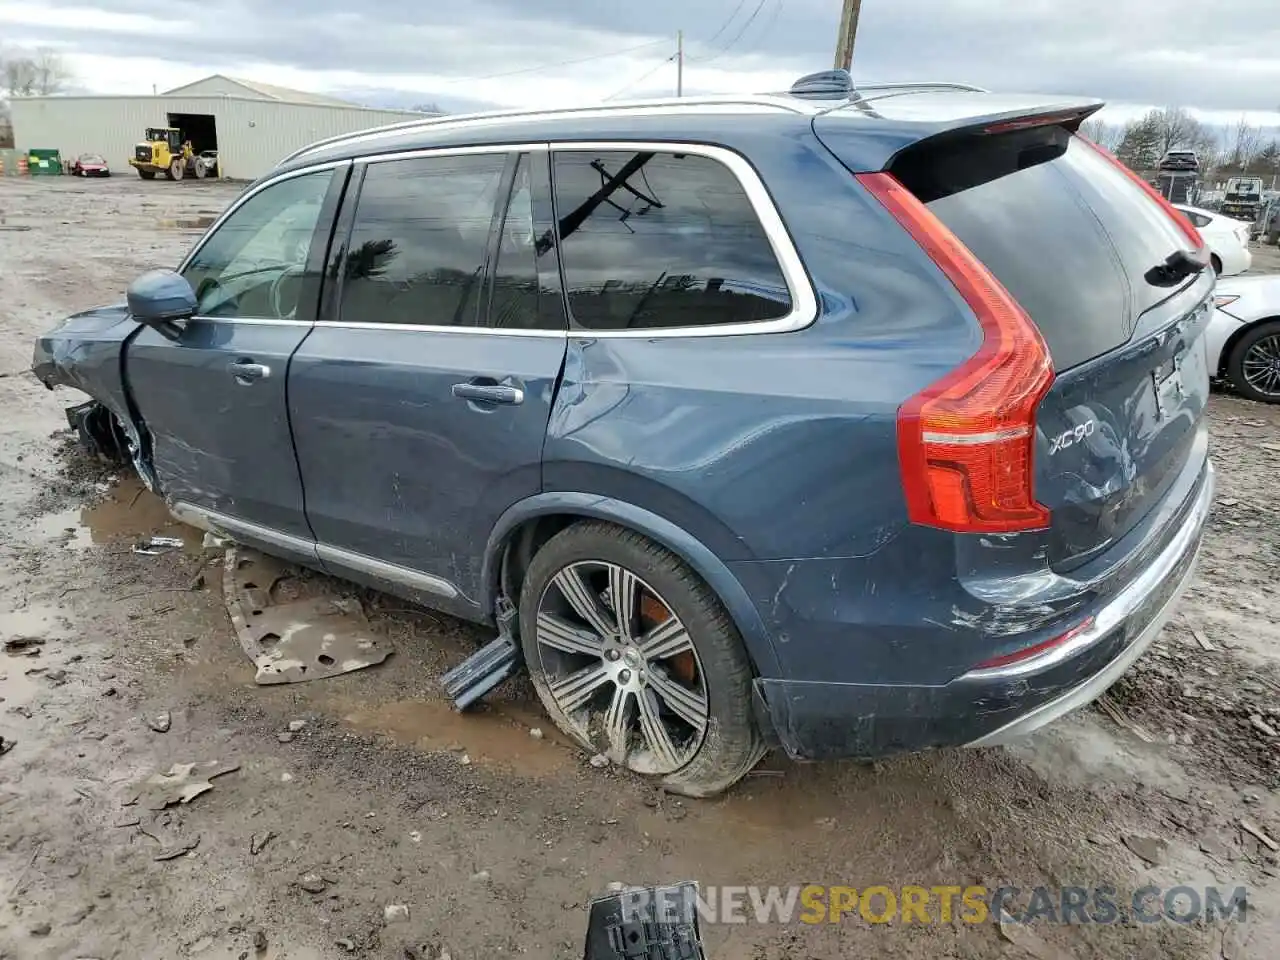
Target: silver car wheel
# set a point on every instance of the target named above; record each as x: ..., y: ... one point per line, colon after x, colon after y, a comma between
x: 1261, y: 365
x: 621, y: 667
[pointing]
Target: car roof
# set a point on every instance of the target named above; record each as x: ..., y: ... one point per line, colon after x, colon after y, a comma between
x: 893, y: 116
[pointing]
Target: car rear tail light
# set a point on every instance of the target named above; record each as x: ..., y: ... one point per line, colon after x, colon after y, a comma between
x: 1178, y: 217
x: 965, y: 443
x: 1224, y: 299
x: 1035, y: 650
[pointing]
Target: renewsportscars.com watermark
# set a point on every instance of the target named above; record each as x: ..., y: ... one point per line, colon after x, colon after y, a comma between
x: 877, y: 904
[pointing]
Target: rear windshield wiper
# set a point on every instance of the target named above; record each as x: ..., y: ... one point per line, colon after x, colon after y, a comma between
x: 1176, y: 268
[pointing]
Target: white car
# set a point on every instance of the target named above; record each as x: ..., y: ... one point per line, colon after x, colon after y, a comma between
x: 1244, y: 335
x: 1228, y: 240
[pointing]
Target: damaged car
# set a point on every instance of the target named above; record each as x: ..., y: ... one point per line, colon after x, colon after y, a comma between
x: 852, y: 420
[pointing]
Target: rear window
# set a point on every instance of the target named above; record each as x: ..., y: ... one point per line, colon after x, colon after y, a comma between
x: 1068, y: 234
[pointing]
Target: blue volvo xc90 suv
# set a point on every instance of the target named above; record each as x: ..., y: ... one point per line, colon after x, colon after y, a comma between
x: 855, y: 420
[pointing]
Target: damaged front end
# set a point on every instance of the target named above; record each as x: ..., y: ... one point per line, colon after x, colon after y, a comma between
x: 87, y: 352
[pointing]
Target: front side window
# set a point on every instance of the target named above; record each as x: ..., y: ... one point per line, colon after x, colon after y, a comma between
x: 254, y: 263
x: 653, y: 240
x: 418, y: 244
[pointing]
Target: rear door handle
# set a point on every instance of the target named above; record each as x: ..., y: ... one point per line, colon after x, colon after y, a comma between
x: 247, y: 372
x: 488, y: 392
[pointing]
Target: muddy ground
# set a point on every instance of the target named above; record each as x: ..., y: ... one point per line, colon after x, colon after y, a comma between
x: 493, y: 839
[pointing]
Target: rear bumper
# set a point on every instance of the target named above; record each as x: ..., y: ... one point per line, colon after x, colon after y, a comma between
x: 817, y: 720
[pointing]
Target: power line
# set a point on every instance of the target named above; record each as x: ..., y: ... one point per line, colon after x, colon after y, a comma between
x: 640, y: 79
x: 562, y: 63
x: 768, y: 26
x: 737, y: 36
x: 724, y: 26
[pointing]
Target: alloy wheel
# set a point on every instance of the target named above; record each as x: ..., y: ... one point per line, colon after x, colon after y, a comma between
x: 1261, y: 365
x: 621, y: 667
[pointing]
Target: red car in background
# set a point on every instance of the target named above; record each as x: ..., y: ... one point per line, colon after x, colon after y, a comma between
x: 90, y: 165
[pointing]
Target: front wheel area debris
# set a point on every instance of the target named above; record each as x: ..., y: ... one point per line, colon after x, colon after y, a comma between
x: 295, y: 641
x: 487, y: 667
x: 99, y: 432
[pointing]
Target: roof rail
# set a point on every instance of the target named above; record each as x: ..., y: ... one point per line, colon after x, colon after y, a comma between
x: 767, y: 100
x: 839, y: 85
x: 924, y: 85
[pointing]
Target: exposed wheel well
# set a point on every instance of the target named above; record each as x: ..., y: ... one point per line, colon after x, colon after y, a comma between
x: 1216, y: 261
x: 1236, y: 337
x: 523, y: 542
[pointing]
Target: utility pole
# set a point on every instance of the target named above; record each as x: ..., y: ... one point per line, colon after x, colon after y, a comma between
x: 848, y: 30
x: 679, y: 63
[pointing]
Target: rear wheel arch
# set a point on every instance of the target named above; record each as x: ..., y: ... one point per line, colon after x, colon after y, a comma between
x: 528, y: 525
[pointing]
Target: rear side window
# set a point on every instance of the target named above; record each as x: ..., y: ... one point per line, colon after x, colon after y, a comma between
x: 1068, y: 234
x: 419, y: 240
x: 656, y: 240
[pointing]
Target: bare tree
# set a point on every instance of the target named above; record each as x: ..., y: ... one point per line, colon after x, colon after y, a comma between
x: 51, y: 72
x: 1246, y: 143
x: 1177, y: 128
x: 37, y: 75
x: 1105, y: 135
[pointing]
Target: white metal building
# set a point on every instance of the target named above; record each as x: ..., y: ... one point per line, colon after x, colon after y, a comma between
x: 251, y: 125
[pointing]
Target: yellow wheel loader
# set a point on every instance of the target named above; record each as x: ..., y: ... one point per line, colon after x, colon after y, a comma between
x: 164, y: 151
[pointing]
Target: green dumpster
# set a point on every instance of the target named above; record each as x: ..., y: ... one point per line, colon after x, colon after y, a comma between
x: 44, y: 163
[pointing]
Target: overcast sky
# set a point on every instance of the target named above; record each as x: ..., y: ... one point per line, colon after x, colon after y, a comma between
x: 1220, y: 58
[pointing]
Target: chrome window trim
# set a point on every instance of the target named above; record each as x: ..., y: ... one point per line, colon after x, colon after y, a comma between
x: 430, y: 328
x: 804, y: 300
x: 427, y: 152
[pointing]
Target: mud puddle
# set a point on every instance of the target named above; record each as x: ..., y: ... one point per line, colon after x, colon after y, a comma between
x: 129, y: 511
x: 498, y: 736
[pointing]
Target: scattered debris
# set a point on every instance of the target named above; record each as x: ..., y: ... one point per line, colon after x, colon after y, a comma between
x: 395, y: 913
x: 212, y: 541
x: 1262, y: 726
x: 128, y: 822
x: 1201, y: 639
x: 154, y: 546
x: 178, y: 849
x: 42, y: 929
x: 536, y: 733
x: 286, y: 777
x: 7, y: 744
x: 1108, y: 706
x: 296, y: 726
x: 1251, y: 828
x: 160, y: 722
x: 297, y: 641
x: 465, y: 760
x: 260, y: 941
x: 599, y: 761
x: 182, y: 784
x: 19, y: 643
x: 56, y: 677
x: 259, y: 840
x: 487, y: 667
x: 415, y: 836
x: 285, y: 737
x: 616, y: 886
x: 1150, y: 849
x: 480, y: 876
x: 345, y: 944
x: 313, y: 883
x: 109, y: 692
x: 1022, y: 935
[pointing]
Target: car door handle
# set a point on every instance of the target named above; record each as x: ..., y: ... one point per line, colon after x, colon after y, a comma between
x: 488, y: 392
x: 247, y: 372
